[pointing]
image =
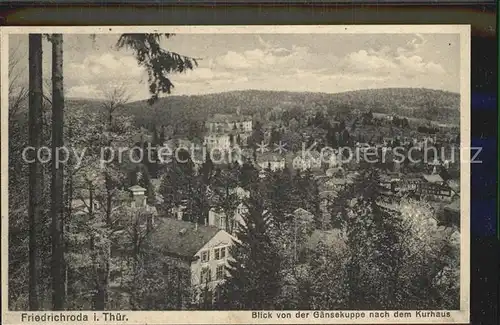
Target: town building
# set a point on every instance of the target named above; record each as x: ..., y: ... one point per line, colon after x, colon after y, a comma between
x: 84, y: 203
x: 431, y: 186
x: 271, y: 161
x: 229, y: 122
x: 307, y: 160
x: 226, y: 130
x: 201, y: 251
x: 217, y: 140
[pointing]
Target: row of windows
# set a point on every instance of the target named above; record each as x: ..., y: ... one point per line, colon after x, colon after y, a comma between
x: 206, y: 273
x: 219, y: 254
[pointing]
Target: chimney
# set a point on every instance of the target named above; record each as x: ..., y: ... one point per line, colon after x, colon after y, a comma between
x: 138, y: 196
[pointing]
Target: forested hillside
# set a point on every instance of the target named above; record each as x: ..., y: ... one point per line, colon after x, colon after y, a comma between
x: 180, y: 111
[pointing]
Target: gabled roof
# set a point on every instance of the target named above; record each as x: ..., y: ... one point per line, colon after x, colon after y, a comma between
x: 433, y: 178
x: 136, y: 188
x: 182, y: 238
x: 303, y: 215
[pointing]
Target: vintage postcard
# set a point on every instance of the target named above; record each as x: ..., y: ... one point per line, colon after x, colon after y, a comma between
x: 236, y: 174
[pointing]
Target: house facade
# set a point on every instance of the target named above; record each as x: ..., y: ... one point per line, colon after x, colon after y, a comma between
x: 229, y: 122
x: 217, y: 140
x: 201, y: 251
x: 209, y: 268
x: 307, y: 161
x: 226, y: 130
x: 270, y: 160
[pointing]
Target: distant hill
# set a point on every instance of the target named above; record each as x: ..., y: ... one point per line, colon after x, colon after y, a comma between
x: 182, y: 112
x: 437, y: 105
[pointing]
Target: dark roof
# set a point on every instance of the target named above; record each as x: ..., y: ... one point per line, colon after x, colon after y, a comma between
x: 182, y: 238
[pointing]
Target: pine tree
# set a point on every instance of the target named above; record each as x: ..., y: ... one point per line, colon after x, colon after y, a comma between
x: 145, y: 181
x: 257, y: 135
x: 155, y: 138
x: 247, y: 175
x: 307, y: 196
x: 226, y: 199
x: 162, y: 137
x: 253, y: 280
x: 279, y: 199
x: 207, y: 169
x: 177, y: 186
x: 331, y: 137
x: 275, y: 136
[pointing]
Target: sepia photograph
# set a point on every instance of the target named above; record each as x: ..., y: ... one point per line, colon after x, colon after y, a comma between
x: 251, y: 174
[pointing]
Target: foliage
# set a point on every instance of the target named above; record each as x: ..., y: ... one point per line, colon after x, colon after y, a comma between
x: 403, y: 102
x: 253, y: 281
x: 392, y: 260
x: 159, y: 63
x: 225, y: 197
x: 182, y: 187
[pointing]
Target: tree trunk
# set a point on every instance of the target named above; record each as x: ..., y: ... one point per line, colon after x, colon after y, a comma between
x: 67, y: 216
x: 35, y: 189
x: 57, y: 188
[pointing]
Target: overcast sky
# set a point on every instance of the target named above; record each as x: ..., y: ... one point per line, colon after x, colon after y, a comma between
x: 293, y: 62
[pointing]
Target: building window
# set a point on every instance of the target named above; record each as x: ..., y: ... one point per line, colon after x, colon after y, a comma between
x: 206, y: 275
x: 205, y: 256
x: 219, y: 274
x: 220, y: 253
x: 222, y: 222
